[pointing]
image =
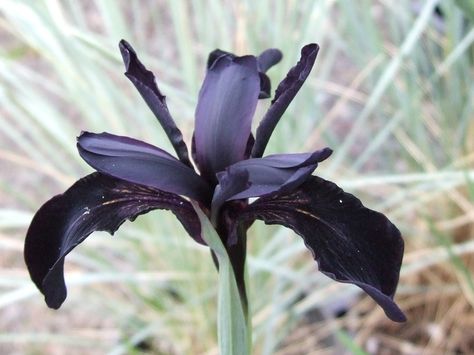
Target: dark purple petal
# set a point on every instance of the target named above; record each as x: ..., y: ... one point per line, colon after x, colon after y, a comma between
x: 142, y: 163
x: 224, y: 112
x: 229, y: 185
x: 95, y: 203
x: 248, y: 148
x: 265, y: 86
x: 144, y: 81
x: 216, y: 54
x: 284, y: 94
x: 350, y: 242
x: 262, y: 176
x: 268, y: 59
x: 265, y: 60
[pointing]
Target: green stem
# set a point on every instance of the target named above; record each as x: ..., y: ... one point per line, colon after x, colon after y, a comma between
x: 233, y: 323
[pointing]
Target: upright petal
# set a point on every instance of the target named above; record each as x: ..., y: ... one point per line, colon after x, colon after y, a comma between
x: 144, y: 81
x: 142, y: 163
x: 216, y: 54
x: 224, y: 112
x: 265, y: 61
x: 262, y: 176
x: 95, y: 203
x: 268, y: 58
x: 284, y: 94
x: 350, y: 242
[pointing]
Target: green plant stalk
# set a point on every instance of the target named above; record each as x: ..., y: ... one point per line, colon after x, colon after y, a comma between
x: 233, y: 324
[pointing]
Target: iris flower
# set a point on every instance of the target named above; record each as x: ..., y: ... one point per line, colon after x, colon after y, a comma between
x: 351, y: 243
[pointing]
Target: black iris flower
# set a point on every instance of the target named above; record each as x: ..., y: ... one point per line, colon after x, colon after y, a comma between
x: 351, y: 243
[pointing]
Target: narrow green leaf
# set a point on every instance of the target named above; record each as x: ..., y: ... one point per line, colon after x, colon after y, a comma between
x: 233, y: 329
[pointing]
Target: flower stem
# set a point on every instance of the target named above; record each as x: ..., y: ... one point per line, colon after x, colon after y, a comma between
x: 233, y: 323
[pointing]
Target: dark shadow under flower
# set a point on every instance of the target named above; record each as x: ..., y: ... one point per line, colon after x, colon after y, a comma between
x: 350, y: 242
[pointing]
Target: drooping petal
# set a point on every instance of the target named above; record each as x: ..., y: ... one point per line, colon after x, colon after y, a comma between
x: 95, y: 203
x: 144, y: 81
x: 142, y: 163
x: 224, y: 112
x: 262, y: 176
x: 350, y: 242
x: 284, y: 94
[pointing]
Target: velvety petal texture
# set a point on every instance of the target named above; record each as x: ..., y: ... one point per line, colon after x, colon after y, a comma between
x: 142, y: 163
x: 94, y: 203
x: 144, y: 81
x: 262, y: 176
x: 350, y: 242
x: 284, y: 94
x: 224, y: 112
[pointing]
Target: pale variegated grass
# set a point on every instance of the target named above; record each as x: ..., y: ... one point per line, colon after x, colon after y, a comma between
x: 391, y: 93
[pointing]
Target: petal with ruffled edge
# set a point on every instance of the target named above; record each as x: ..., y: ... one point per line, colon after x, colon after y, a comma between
x: 144, y: 81
x: 284, y: 94
x: 95, y: 203
x: 142, y: 163
x: 350, y: 242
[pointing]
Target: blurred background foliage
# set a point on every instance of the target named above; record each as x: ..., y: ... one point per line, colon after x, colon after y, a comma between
x: 392, y: 93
